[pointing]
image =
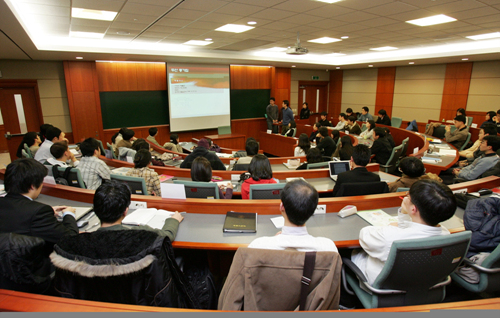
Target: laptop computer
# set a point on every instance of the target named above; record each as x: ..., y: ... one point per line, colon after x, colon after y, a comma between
x: 337, y: 167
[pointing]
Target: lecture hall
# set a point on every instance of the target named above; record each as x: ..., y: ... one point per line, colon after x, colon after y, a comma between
x: 353, y: 140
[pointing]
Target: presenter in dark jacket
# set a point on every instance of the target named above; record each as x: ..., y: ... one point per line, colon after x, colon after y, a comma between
x: 20, y: 214
x: 326, y: 144
x: 383, y: 119
x: 202, y: 151
x: 381, y: 147
x: 358, y: 173
x: 305, y: 112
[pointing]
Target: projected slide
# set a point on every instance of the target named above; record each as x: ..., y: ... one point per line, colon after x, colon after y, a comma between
x: 198, y: 96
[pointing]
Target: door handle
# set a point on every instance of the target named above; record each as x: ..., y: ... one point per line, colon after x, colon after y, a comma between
x: 8, y: 135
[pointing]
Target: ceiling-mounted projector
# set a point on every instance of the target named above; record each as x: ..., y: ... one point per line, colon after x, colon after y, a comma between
x: 297, y: 49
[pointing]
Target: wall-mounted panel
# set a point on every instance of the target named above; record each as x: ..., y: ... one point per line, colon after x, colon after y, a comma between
x: 359, y: 89
x: 250, y: 77
x: 484, y: 91
x: 122, y: 76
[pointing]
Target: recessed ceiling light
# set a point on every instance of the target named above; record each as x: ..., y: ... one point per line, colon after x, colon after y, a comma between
x: 484, y: 36
x: 435, y: 19
x: 251, y: 22
x: 324, y: 40
x: 384, y: 48
x: 90, y: 35
x: 370, y: 65
x: 235, y: 28
x: 93, y: 14
x: 79, y: 58
x: 208, y: 39
x: 276, y: 49
x: 338, y: 67
x: 411, y: 63
x: 199, y: 43
x: 329, y: 1
x: 465, y: 59
x: 293, y: 65
x: 344, y: 37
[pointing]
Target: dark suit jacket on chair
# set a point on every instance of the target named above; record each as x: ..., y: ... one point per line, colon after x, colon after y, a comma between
x: 327, y: 146
x: 356, y: 175
x: 382, y: 150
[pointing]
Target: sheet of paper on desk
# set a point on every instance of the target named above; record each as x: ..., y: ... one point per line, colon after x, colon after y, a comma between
x: 278, y: 221
x: 447, y: 152
x: 172, y: 191
x: 223, y: 155
x: 377, y: 217
x: 152, y: 217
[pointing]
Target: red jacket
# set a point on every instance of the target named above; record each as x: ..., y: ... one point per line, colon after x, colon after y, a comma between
x: 245, y: 187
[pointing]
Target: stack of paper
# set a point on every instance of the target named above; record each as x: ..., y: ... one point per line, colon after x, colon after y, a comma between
x: 152, y: 217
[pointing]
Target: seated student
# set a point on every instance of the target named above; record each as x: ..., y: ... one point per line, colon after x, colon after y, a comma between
x: 313, y: 156
x: 303, y: 147
x: 428, y: 203
x: 299, y: 200
x: 388, y: 135
x: 488, y: 118
x: 93, y: 169
x: 352, y: 126
x: 201, y: 171
x: 358, y: 173
x: 305, y: 112
x: 365, y: 115
x: 290, y: 130
x: 326, y: 145
x: 153, y: 131
x: 124, y: 152
x: 496, y: 119
x: 53, y: 135
x: 43, y: 131
x: 335, y: 136
x: 381, y: 147
x: 32, y: 139
x: 62, y: 155
x: 117, y: 137
x: 313, y: 137
x: 260, y: 172
x: 21, y: 214
x: 324, y: 121
x: 252, y: 148
x: 111, y: 202
x: 202, y: 150
x: 368, y: 133
x: 142, y: 160
x: 342, y: 122
x: 461, y: 112
x: 243, y: 153
x: 488, y: 160
x: 173, y: 144
x: 457, y: 137
x: 413, y: 170
x: 126, y: 142
x: 383, y: 119
x: 344, y: 149
x: 468, y: 154
x: 349, y: 112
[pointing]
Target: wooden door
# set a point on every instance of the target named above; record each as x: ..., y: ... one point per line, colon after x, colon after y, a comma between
x: 21, y: 111
x: 315, y: 94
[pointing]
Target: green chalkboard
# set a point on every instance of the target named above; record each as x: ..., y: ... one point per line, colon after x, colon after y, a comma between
x: 249, y: 103
x: 134, y: 109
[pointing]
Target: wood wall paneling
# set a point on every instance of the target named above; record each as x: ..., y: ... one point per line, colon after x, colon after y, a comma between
x: 107, y: 78
x: 250, y: 77
x: 119, y: 76
x: 386, y: 78
x: 456, y: 88
x: 127, y: 77
x: 282, y: 84
x: 335, y: 92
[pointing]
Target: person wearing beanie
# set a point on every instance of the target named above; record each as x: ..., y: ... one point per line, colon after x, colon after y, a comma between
x: 202, y: 151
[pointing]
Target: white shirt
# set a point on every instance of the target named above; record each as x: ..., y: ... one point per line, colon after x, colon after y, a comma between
x: 43, y: 152
x: 294, y: 237
x: 298, y: 152
x: 55, y: 162
x: 376, y: 242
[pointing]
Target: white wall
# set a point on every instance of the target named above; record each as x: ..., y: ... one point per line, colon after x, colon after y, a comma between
x: 359, y: 88
x: 484, y: 90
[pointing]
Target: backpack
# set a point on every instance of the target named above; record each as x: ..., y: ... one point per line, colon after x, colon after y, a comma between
x: 61, y: 179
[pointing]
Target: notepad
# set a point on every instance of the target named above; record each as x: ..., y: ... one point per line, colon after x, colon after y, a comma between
x: 164, y: 177
x: 152, y: 217
x: 240, y: 222
x: 377, y: 217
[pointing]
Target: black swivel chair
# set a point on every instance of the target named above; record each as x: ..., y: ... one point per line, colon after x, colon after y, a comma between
x: 362, y: 188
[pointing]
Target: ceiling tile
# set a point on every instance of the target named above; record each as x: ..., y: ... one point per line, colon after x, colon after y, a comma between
x: 144, y: 9
x: 134, y: 18
x: 106, y: 5
x: 121, y: 26
x: 173, y: 22
x: 391, y: 8
x: 203, y: 5
x: 273, y: 14
x: 239, y: 9
x: 300, y: 6
x: 475, y: 13
x: 48, y: 10
x: 86, y: 28
x: 185, y: 14
x: 362, y: 4
x: 262, y: 3
x: 455, y: 6
x: 330, y: 11
x: 378, y: 22
x: 355, y: 17
x: 221, y: 18
x: 85, y: 22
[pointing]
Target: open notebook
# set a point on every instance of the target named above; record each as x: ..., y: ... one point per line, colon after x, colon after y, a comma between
x: 152, y: 217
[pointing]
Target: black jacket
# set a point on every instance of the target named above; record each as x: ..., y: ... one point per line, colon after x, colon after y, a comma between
x: 203, y: 152
x: 482, y: 217
x: 384, y: 121
x: 326, y: 123
x: 355, y: 175
x: 127, y: 267
x: 305, y: 113
x: 327, y: 146
x: 382, y: 150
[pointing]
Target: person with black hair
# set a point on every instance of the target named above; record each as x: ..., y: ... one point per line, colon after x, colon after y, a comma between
x: 344, y: 149
x: 312, y: 156
x: 32, y: 139
x: 389, y: 137
x: 303, y: 147
x: 383, y: 119
x: 342, y: 122
x: 313, y: 137
x: 348, y: 112
x: 305, y: 112
x: 128, y: 138
x: 153, y: 131
x: 459, y: 135
x: 260, y: 172
x: 251, y: 149
x: 93, y: 169
x: 427, y: 204
x: 299, y: 200
x: 52, y: 135
x: 461, y: 112
x: 365, y: 115
x: 201, y: 171
x: 496, y: 119
x: 368, y: 133
x: 488, y: 118
x: 173, y: 144
x: 111, y: 202
x: 352, y: 126
x: 202, y: 150
x: 326, y: 145
x: 290, y: 129
x: 335, y: 136
x: 358, y: 173
x: 489, y: 146
x: 62, y: 155
x: 324, y: 120
x: 142, y: 160
x: 470, y: 153
x: 117, y: 137
x: 287, y: 116
x: 272, y: 115
x: 381, y: 147
x: 138, y: 144
x: 413, y: 170
x: 43, y: 131
x: 21, y: 214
